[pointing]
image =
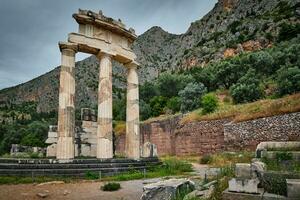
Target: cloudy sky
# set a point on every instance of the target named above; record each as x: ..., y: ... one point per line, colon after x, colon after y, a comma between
x: 31, y: 29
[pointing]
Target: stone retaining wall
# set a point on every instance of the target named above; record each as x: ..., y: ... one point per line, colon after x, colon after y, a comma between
x: 173, y: 138
x: 248, y: 134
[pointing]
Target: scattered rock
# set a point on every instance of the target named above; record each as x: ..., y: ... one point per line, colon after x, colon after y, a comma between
x: 204, y: 194
x: 42, y: 195
x: 66, y: 192
x: 167, y: 189
x: 51, y: 183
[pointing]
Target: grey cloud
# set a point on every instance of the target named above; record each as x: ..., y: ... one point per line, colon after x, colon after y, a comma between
x: 31, y: 29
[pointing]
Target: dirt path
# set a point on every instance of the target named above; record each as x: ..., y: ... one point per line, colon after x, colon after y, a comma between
x: 131, y: 190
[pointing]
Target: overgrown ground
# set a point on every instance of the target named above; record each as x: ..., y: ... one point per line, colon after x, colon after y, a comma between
x: 249, y: 111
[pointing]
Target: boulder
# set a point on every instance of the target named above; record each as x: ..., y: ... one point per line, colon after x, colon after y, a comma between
x: 203, y: 194
x: 167, y: 189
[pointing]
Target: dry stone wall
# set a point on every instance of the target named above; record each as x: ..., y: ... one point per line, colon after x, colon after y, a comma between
x: 248, y: 134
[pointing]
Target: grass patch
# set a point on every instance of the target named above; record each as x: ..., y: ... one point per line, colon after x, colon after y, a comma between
x: 170, y: 167
x: 228, y: 158
x: 111, y: 186
x: 249, y: 111
x: 120, y: 128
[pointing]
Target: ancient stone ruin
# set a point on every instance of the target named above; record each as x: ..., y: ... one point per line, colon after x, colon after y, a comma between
x: 109, y: 40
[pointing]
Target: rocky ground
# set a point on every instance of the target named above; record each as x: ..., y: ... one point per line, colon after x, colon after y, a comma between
x: 130, y: 190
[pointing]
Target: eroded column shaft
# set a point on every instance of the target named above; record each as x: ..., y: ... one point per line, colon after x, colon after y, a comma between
x: 66, y: 110
x: 104, y: 130
x: 132, y: 115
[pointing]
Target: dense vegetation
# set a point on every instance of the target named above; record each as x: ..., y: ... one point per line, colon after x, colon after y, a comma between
x: 21, y: 124
x: 269, y: 73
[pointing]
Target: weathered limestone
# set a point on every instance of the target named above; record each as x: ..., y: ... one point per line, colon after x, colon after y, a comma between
x: 104, y: 131
x: 167, y: 189
x: 132, y: 114
x: 66, y: 110
x: 244, y: 181
x: 293, y: 188
x: 109, y: 40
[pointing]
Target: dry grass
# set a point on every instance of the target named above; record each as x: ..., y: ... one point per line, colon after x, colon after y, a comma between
x: 249, y: 111
x: 120, y: 128
x: 230, y: 158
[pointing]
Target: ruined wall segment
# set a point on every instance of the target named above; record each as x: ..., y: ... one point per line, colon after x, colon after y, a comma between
x: 248, y: 134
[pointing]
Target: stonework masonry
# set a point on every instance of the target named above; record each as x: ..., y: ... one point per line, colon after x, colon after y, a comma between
x: 174, y: 138
x: 195, y: 138
x: 109, y: 40
x: 248, y: 134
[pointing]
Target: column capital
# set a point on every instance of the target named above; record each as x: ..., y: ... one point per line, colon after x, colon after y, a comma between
x: 132, y: 65
x: 102, y: 54
x: 68, y: 46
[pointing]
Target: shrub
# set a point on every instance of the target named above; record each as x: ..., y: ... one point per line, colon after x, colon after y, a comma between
x: 247, y: 89
x: 288, y: 31
x: 158, y: 104
x: 170, y: 84
x: 209, y: 103
x: 111, y: 186
x: 288, y: 80
x: 145, y: 110
x: 190, y: 96
x: 205, y: 159
x: 91, y: 175
x: 174, y: 104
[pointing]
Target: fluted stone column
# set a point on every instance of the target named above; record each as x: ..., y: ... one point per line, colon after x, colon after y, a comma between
x: 132, y: 114
x: 104, y: 130
x: 66, y: 110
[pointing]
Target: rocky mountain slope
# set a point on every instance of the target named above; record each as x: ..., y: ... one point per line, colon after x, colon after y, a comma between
x: 231, y: 27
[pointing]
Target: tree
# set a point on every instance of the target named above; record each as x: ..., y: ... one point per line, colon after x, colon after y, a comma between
x: 209, y: 103
x: 288, y: 80
x: 228, y: 73
x: 170, y: 84
x: 247, y: 89
x: 190, y: 96
x: 158, y: 104
x: 147, y: 91
x: 262, y: 61
x: 145, y: 110
x: 174, y: 104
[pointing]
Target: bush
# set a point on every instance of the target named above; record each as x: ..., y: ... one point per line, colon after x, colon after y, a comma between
x: 190, y: 96
x: 158, y: 104
x: 174, y: 104
x: 111, y: 186
x: 247, y: 89
x: 145, y: 110
x: 205, y: 159
x: 288, y: 31
x: 170, y: 84
x: 209, y: 103
x: 91, y: 175
x: 288, y: 80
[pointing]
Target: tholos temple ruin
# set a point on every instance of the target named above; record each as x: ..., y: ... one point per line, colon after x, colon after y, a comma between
x: 109, y: 40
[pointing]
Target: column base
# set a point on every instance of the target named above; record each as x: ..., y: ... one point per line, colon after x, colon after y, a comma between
x: 104, y: 148
x: 65, y: 148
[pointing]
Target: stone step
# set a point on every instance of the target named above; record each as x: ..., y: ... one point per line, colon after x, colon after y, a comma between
x: 76, y: 168
x: 71, y: 166
x: 75, y: 161
x: 68, y: 172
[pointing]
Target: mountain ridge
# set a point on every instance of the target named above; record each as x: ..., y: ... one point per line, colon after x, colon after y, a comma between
x: 230, y: 28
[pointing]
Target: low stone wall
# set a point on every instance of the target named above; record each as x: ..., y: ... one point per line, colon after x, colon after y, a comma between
x: 248, y: 134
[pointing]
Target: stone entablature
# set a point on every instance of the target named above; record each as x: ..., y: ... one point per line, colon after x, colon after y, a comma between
x: 108, y: 40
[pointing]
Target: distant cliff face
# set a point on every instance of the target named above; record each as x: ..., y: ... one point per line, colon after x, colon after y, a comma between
x: 231, y: 27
